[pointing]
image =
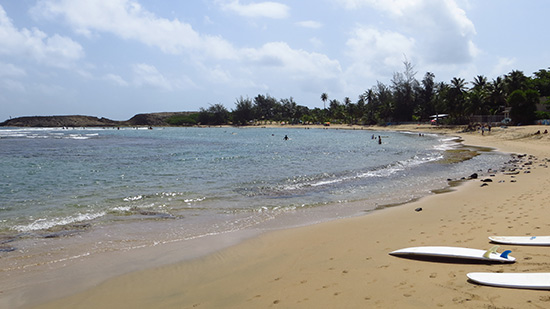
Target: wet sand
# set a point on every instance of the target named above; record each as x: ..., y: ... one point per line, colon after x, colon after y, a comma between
x: 345, y: 263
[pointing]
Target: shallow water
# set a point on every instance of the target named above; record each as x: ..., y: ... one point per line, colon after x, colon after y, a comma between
x: 77, y: 192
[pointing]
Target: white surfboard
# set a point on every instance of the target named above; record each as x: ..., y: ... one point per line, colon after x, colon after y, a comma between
x: 522, y: 240
x: 535, y: 281
x: 456, y: 253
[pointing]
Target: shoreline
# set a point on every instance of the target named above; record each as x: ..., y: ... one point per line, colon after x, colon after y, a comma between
x: 308, y: 266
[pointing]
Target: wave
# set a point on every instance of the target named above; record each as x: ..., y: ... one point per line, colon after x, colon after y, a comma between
x: 448, y: 143
x: 45, y: 133
x: 303, y: 184
x: 44, y: 224
x: 163, y: 195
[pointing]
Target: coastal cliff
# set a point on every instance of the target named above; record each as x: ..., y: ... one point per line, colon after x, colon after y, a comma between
x: 150, y: 119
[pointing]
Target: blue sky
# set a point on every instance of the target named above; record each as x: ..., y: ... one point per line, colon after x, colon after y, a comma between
x: 117, y: 58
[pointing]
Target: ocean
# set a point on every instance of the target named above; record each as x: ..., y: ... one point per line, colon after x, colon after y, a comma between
x: 70, y: 193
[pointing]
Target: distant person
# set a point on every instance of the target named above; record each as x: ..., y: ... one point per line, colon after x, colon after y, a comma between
x: 379, y: 140
x: 285, y: 138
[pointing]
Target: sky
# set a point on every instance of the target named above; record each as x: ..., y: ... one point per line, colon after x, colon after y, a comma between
x: 118, y: 58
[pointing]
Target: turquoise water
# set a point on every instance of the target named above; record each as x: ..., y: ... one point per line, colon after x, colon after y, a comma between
x: 185, y: 183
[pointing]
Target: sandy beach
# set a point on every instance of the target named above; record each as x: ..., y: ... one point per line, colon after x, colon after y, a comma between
x: 345, y: 263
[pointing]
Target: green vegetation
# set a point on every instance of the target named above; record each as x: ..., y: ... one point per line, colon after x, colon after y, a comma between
x: 405, y: 99
x: 183, y: 120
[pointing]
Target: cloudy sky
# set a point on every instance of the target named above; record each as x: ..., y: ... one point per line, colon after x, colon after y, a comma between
x: 117, y: 58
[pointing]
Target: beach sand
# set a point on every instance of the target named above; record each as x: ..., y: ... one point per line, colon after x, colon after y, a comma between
x: 345, y: 263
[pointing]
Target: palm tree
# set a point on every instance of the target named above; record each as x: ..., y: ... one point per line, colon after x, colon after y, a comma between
x: 480, y: 82
x: 477, y: 97
x: 336, y: 109
x: 324, y: 98
x: 426, y: 94
x: 349, y: 109
x: 456, y: 99
x: 497, y: 95
x: 368, y: 97
x: 541, y: 82
x: 459, y: 84
x: 440, y: 98
x: 515, y: 80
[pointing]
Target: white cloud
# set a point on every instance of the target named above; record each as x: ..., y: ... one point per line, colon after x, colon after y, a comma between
x: 376, y: 52
x: 302, y: 64
x: 267, y: 9
x: 395, y: 7
x: 8, y: 69
x: 207, y: 20
x: 443, y: 32
x: 503, y: 66
x: 310, y: 24
x: 316, y: 42
x: 216, y: 58
x: 115, y: 79
x: 128, y: 20
x: 278, y: 68
x: 12, y: 85
x: 53, y: 50
x: 148, y: 75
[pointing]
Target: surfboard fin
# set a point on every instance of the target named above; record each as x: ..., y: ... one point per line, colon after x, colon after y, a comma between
x: 505, y: 254
x: 487, y: 253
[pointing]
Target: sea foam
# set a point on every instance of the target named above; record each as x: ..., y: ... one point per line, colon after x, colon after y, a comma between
x: 44, y: 224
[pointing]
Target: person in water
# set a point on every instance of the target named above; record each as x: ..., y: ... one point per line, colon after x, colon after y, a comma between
x: 285, y: 138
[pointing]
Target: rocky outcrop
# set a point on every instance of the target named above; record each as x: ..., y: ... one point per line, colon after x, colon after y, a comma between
x: 152, y: 119
x: 59, y: 121
x: 156, y: 119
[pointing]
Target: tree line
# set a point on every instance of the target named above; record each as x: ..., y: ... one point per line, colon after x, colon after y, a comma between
x: 404, y: 99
